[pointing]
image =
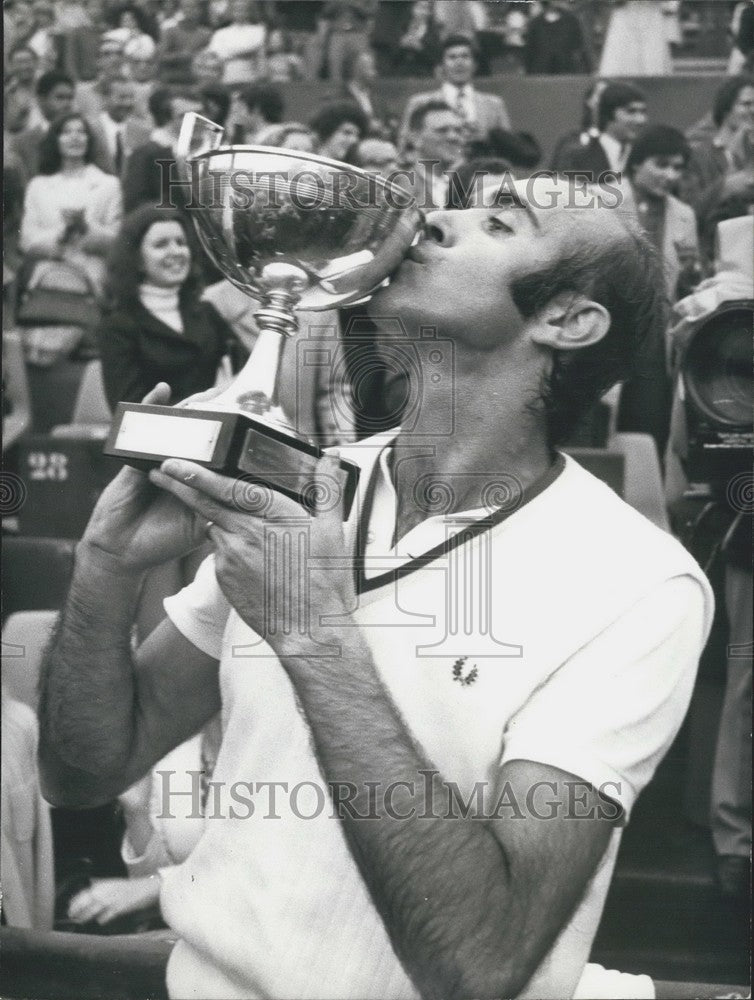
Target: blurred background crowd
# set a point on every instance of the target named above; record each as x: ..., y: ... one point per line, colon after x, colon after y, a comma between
x: 105, y: 294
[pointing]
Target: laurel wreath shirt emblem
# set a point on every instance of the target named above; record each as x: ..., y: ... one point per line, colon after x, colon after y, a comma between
x: 458, y: 674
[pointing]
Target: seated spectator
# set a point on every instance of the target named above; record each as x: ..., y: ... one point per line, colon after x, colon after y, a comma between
x: 157, y: 329
x: 55, y: 93
x: 555, y: 41
x: 379, y: 156
x: 283, y: 65
x: 712, y: 173
x: 359, y: 75
x: 289, y: 135
x: 22, y: 66
x: 22, y: 63
x: 206, y: 67
x: 479, y: 112
x: 241, y: 44
x: 436, y: 139
x: 141, y: 69
x: 143, y: 175
x: 339, y: 126
x: 654, y: 169
x: 117, y: 130
x: 90, y: 94
x: 180, y: 43
x: 26, y: 858
x: 129, y: 23
x: 621, y: 115
x: 72, y: 209
x: 255, y: 107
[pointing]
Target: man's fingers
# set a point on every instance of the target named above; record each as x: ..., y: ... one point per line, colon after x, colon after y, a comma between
x: 193, y: 498
x: 159, y: 396
x: 330, y: 492
x: 212, y: 484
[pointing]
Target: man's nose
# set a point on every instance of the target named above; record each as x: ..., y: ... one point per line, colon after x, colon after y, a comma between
x: 447, y: 227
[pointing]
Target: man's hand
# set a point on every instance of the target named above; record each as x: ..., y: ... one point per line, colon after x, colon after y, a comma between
x: 106, y: 899
x: 256, y: 554
x: 135, y: 526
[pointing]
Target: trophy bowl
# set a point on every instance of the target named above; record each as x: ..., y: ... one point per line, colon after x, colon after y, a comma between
x: 344, y: 230
x: 294, y: 231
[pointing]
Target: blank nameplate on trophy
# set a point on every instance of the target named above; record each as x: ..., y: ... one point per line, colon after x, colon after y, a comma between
x: 234, y: 444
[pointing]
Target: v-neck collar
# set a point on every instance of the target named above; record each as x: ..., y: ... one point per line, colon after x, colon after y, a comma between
x: 470, y: 523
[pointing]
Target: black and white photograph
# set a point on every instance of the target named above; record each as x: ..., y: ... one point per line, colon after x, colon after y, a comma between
x: 377, y: 499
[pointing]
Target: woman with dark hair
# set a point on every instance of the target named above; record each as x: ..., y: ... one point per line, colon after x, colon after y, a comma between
x: 72, y: 209
x: 157, y: 328
x: 339, y: 126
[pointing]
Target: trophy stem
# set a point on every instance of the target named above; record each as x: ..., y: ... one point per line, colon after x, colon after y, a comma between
x: 254, y: 390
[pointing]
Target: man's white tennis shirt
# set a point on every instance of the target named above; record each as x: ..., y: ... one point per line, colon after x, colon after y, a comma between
x: 567, y: 633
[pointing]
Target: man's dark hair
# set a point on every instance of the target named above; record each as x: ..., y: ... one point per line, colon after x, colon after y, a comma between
x: 657, y: 140
x: 624, y: 277
x: 462, y: 187
x: 50, y: 160
x: 160, y: 102
x: 125, y: 269
x: 49, y: 81
x: 614, y: 96
x: 518, y: 149
x: 727, y: 95
x: 267, y: 99
x: 418, y: 115
x: 219, y: 97
x: 453, y: 41
x: 330, y: 117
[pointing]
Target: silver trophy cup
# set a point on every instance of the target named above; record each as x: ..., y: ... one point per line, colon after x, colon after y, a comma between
x: 294, y: 231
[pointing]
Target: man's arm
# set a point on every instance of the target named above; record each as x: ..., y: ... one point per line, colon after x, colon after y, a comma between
x: 106, y: 715
x: 471, y: 906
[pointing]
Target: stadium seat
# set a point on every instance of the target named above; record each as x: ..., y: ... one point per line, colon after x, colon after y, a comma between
x: 36, y: 573
x: 25, y: 636
x: 91, y: 414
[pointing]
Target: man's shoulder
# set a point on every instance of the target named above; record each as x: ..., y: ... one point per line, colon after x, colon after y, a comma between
x: 607, y: 532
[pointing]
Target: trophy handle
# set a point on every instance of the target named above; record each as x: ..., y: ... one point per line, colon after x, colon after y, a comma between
x: 197, y: 135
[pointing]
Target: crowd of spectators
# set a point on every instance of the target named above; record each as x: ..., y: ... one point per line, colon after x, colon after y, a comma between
x: 95, y: 93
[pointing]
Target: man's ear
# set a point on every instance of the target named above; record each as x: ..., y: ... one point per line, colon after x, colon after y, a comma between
x: 570, y: 321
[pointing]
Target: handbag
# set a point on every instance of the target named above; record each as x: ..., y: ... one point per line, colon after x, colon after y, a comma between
x: 60, y: 293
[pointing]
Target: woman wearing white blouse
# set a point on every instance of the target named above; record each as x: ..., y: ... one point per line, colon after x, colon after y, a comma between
x: 72, y: 209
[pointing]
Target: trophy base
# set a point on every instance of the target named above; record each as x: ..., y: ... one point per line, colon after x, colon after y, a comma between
x: 249, y: 448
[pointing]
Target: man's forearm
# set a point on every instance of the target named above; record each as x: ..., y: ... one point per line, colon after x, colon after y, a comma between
x: 442, y: 888
x: 86, y: 709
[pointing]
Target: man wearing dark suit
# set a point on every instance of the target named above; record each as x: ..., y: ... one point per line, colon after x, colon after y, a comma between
x: 479, y: 111
x: 621, y: 115
x: 117, y: 130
